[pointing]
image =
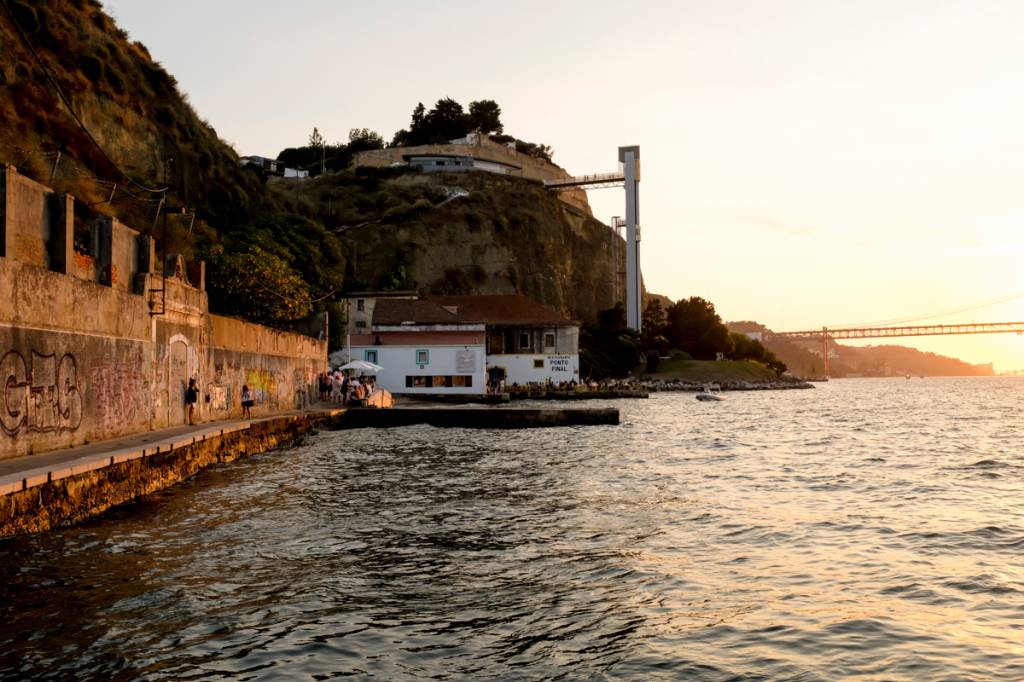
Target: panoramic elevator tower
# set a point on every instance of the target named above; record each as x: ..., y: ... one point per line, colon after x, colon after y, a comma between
x: 629, y: 176
x: 629, y: 157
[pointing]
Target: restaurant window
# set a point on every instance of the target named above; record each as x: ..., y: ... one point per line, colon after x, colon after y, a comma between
x: 360, y: 305
x: 422, y: 357
x: 360, y: 324
x: 440, y: 381
x: 538, y: 364
x: 524, y: 340
x: 549, y: 340
x: 370, y: 356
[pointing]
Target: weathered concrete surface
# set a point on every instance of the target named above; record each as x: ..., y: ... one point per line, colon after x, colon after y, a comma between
x: 475, y: 417
x: 97, y: 354
x: 50, y: 497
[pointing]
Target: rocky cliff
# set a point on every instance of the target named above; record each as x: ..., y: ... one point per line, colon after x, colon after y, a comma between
x: 87, y: 111
x: 90, y: 112
x: 464, y: 233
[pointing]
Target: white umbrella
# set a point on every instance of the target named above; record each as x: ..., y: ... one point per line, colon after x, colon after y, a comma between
x: 362, y: 366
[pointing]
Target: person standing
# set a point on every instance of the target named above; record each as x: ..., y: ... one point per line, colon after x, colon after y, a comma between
x: 191, y: 397
x: 247, y: 402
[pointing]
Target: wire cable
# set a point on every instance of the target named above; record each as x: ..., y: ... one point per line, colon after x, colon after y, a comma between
x: 67, y: 104
x: 906, y: 320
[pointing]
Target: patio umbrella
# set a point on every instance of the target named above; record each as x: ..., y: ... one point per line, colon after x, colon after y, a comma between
x: 362, y: 366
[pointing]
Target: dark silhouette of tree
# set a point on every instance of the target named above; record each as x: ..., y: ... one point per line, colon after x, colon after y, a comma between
x: 485, y: 116
x: 449, y: 121
x: 694, y: 327
x: 654, y: 319
x: 363, y: 139
x: 446, y: 121
x: 609, y: 349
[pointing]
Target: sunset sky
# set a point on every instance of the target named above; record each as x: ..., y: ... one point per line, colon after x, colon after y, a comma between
x: 805, y: 163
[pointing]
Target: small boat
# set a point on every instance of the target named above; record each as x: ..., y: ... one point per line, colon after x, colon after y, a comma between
x: 710, y: 392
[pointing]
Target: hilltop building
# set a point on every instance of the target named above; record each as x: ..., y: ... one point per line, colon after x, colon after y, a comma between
x: 273, y: 167
x: 453, y: 344
x: 475, y: 152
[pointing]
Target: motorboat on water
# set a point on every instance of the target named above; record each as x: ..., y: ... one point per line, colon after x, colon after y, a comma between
x: 711, y: 392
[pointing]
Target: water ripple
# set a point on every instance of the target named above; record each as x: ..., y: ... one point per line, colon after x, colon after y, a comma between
x: 804, y: 535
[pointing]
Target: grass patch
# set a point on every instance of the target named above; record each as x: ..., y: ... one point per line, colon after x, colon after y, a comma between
x: 709, y: 370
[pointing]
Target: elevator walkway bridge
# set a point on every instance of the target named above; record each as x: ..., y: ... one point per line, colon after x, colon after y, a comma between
x: 592, y: 181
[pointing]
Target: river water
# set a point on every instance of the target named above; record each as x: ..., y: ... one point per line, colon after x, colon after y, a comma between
x: 867, y: 528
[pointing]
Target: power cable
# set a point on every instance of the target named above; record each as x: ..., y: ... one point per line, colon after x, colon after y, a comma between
x: 67, y: 104
x: 907, y: 320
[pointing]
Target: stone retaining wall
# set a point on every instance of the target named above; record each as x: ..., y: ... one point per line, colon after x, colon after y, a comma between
x: 79, y: 496
x: 98, y: 352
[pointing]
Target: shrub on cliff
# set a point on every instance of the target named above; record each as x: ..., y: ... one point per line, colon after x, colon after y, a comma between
x: 256, y: 284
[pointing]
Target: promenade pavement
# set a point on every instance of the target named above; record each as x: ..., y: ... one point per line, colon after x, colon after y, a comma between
x: 20, y: 473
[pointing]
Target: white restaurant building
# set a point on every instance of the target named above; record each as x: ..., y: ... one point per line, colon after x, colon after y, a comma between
x: 451, y: 344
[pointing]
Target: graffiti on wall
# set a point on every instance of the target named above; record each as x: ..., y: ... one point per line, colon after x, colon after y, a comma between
x: 42, y: 395
x: 263, y: 384
x: 220, y: 396
x: 302, y: 383
x: 120, y: 393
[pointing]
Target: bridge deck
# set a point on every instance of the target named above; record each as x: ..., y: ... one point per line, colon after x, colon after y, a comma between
x: 914, y: 330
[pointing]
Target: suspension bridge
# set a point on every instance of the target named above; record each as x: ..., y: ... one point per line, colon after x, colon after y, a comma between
x: 824, y: 334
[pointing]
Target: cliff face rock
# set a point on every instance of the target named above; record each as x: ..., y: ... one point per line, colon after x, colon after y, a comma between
x: 445, y: 233
x: 466, y: 233
x: 129, y: 104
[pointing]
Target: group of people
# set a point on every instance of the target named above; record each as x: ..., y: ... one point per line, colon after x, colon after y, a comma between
x: 192, y: 397
x: 572, y: 385
x: 338, y: 387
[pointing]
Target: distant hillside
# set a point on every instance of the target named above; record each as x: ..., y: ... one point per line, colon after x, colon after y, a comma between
x: 804, y: 358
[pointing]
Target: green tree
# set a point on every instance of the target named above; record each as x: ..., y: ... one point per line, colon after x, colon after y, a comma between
x: 485, y: 116
x: 363, y: 139
x: 694, y: 327
x: 609, y: 349
x: 258, y: 285
x: 446, y: 121
x: 653, y: 322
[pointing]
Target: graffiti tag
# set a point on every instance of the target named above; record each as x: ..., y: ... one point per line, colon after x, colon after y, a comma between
x: 120, y: 392
x: 43, y: 396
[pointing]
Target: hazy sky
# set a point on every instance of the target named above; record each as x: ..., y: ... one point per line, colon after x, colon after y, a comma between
x: 805, y: 163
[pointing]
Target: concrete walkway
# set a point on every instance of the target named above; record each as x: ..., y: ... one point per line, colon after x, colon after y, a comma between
x: 21, y: 473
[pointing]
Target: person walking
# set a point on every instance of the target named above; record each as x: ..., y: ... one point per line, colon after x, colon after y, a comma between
x: 247, y: 402
x: 191, y: 397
